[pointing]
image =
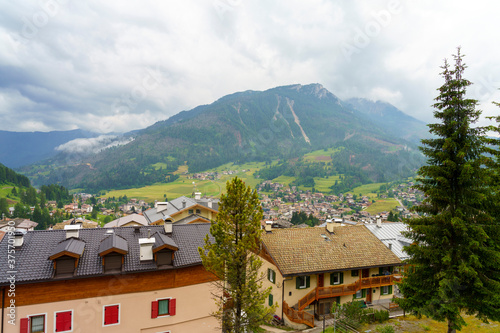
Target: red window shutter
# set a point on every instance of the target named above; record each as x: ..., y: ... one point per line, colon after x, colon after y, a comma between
x: 63, y: 321
x: 171, y: 307
x: 154, y: 309
x: 111, y: 314
x: 25, y: 324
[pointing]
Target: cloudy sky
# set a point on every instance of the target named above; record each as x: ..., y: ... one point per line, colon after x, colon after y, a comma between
x: 118, y: 66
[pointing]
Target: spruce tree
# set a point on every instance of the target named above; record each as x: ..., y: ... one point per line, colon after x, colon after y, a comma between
x: 455, y: 259
x: 230, y: 255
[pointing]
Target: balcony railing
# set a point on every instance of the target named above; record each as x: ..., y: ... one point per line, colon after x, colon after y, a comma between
x: 300, y: 317
x: 349, y: 289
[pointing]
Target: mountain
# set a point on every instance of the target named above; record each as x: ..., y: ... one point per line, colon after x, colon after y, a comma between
x: 393, y: 120
x: 23, y: 148
x: 280, y: 123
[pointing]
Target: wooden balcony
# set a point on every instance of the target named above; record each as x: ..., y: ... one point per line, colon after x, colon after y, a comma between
x: 349, y: 289
x: 300, y: 317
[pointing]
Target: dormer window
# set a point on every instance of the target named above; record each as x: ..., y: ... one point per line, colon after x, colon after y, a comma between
x: 112, y: 249
x: 164, y: 250
x: 66, y: 256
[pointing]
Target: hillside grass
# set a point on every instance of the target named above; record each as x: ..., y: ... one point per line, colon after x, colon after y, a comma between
x: 412, y: 324
x: 184, y: 186
x: 370, y: 190
x: 382, y: 205
x: 321, y: 155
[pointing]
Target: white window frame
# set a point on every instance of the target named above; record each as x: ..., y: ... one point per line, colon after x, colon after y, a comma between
x: 360, y: 291
x: 336, y: 274
x: 303, y: 286
x: 162, y: 299
x: 384, y: 290
x: 44, y: 321
x: 104, y: 314
x: 72, y: 317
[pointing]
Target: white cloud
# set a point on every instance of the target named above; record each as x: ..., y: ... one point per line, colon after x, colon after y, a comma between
x: 85, y: 64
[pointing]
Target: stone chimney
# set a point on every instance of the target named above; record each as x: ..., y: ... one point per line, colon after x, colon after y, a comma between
x: 269, y: 226
x: 18, y: 238
x: 72, y: 230
x: 330, y: 225
x: 168, y: 227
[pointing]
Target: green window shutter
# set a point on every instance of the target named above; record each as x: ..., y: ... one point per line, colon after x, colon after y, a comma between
x: 341, y: 277
x: 381, y: 270
x: 390, y: 289
x: 308, y: 282
x: 337, y: 299
x: 269, y: 274
x: 297, y: 282
x: 355, y: 273
x: 331, y: 279
x: 363, y: 293
x: 274, y: 276
x: 391, y: 269
x: 271, y: 300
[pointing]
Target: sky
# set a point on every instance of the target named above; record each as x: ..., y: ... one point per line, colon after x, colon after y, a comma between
x: 117, y: 66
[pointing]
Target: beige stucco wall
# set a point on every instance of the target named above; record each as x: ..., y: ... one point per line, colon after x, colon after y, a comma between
x: 277, y: 286
x: 193, y: 308
x: 203, y: 212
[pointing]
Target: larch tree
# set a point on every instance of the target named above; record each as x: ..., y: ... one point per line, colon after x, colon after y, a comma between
x: 230, y: 254
x: 454, y: 265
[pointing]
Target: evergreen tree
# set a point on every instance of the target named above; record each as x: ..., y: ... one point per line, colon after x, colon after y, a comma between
x: 4, y: 207
x: 455, y: 257
x: 230, y: 256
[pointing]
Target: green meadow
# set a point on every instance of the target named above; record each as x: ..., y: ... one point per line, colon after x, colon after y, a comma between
x: 383, y: 205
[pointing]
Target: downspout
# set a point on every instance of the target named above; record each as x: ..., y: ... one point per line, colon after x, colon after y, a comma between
x: 3, y: 306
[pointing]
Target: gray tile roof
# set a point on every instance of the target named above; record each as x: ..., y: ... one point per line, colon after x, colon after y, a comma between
x: 71, y: 245
x: 176, y: 205
x: 162, y: 239
x: 33, y: 263
x: 390, y: 233
x: 113, y: 241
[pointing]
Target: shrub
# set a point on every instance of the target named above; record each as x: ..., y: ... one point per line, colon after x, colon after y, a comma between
x: 385, y: 329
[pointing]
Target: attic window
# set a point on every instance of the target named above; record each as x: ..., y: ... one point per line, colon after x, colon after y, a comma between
x: 65, y: 266
x: 113, y: 263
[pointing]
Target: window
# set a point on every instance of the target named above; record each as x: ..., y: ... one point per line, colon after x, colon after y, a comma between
x: 385, y: 270
x: 355, y: 272
x: 271, y: 300
x: 36, y: 324
x: 303, y: 282
x: 113, y: 263
x: 64, y: 321
x: 336, y: 278
x: 111, y: 314
x: 190, y: 211
x: 65, y: 266
x: 359, y: 294
x: 198, y: 211
x: 271, y: 275
x: 386, y: 290
x: 163, y: 307
x: 163, y: 258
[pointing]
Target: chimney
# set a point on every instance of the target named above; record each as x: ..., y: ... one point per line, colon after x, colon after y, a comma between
x: 168, y: 227
x: 379, y: 222
x: 390, y: 246
x: 146, y: 248
x: 329, y: 226
x: 183, y: 203
x: 269, y: 226
x: 209, y: 203
x: 197, y: 195
x: 18, y: 238
x: 72, y: 230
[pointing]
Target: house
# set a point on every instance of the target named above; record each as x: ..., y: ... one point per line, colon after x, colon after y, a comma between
x: 127, y: 221
x: 311, y: 268
x: 391, y: 235
x: 18, y: 223
x: 124, y: 279
x: 183, y: 210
